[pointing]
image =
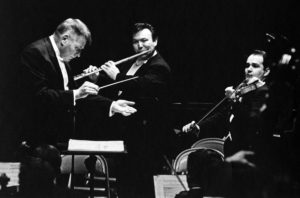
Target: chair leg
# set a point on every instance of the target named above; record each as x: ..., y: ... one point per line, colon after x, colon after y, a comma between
x: 90, y: 164
x: 106, y: 176
x: 70, y: 181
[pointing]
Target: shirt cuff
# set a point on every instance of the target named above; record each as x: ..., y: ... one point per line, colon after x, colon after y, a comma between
x: 74, y: 101
x: 111, y: 112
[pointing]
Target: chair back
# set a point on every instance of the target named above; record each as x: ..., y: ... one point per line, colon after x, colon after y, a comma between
x: 79, y: 164
x: 180, y: 163
x: 210, y: 143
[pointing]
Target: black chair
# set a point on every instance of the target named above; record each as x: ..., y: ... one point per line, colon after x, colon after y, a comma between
x: 214, y: 144
x: 90, y: 173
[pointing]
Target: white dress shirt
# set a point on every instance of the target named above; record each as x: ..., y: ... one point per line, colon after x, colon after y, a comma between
x: 62, y: 65
x: 63, y: 70
x: 137, y: 64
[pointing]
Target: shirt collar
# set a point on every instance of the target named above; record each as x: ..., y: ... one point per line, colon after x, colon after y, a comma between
x: 56, y: 50
x: 138, y: 62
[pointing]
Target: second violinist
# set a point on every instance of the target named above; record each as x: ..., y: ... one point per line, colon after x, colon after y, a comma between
x: 244, y: 109
x: 247, y: 143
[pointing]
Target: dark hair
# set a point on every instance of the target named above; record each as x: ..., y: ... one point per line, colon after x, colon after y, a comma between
x: 140, y: 26
x: 36, y: 178
x: 207, y: 170
x: 200, y: 164
x: 38, y: 171
x: 77, y: 26
x: 50, y: 154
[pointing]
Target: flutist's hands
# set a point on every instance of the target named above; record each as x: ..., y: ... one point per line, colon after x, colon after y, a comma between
x: 123, y: 107
x: 110, y: 69
x: 87, y: 88
x: 93, y: 76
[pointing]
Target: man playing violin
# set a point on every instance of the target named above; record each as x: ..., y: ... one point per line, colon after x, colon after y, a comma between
x: 244, y: 107
x: 247, y: 145
x: 246, y: 124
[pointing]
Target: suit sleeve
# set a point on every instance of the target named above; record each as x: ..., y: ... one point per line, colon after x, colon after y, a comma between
x: 36, y: 79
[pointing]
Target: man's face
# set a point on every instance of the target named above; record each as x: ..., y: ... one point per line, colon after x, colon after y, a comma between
x: 143, y: 41
x: 255, y: 67
x: 72, y: 45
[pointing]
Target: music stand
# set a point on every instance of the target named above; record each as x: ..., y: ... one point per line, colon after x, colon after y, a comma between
x: 94, y: 148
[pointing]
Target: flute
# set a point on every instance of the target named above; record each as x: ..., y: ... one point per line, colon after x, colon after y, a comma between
x: 82, y: 75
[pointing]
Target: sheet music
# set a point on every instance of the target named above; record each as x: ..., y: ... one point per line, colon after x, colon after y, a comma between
x: 89, y: 145
x: 167, y: 186
x: 12, y: 170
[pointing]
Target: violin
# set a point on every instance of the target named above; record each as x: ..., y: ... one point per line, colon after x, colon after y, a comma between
x: 247, y: 88
x: 244, y: 88
x: 240, y: 90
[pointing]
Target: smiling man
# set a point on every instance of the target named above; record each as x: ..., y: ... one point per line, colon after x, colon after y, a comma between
x: 145, y: 133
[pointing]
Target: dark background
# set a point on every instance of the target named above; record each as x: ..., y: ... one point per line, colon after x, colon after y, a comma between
x: 204, y: 42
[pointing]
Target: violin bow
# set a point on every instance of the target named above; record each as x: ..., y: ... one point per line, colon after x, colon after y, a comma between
x: 212, y: 109
x: 174, y: 171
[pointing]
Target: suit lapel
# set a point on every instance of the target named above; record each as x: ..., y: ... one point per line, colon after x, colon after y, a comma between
x: 54, y: 61
x: 144, y: 67
x: 125, y: 68
x: 71, y: 83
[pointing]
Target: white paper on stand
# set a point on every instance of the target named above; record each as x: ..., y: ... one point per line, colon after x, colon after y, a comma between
x: 96, y: 146
x: 12, y: 170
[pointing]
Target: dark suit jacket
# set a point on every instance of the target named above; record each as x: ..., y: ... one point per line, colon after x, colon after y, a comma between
x: 251, y: 127
x: 151, y: 93
x: 151, y: 87
x: 153, y: 81
x: 48, y: 107
x: 247, y: 126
